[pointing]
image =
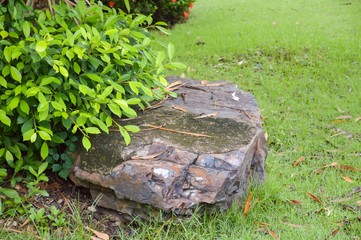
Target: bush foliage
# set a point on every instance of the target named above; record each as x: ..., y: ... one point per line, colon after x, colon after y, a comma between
x: 169, y: 11
x: 65, y: 73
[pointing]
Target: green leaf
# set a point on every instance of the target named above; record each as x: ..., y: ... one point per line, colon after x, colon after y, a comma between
x: 160, y: 58
x: 26, y: 29
x: 44, y: 151
x: 133, y: 101
x: 28, y: 134
x: 163, y: 30
x: 76, y: 68
x: 33, y: 137
x: 92, y: 130
x: 7, y: 53
x: 15, y: 74
x: 170, y: 49
x: 4, y: 118
x: 86, y: 143
x: 111, y: 31
x: 48, y: 80
x: 132, y: 128
x: 126, y: 2
x: 10, y: 193
x: 63, y: 71
x: 14, y: 103
x: 133, y: 87
x: 44, y: 135
x: 115, y: 109
x: 3, y: 82
x: 178, y: 65
x: 94, y: 77
x: 125, y: 135
x: 111, y: 20
x: 129, y: 112
x: 41, y: 46
x: 24, y: 106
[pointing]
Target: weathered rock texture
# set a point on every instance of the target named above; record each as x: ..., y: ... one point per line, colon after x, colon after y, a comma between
x: 208, y: 146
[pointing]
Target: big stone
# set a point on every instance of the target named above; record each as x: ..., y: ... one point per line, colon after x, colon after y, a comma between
x: 199, y: 150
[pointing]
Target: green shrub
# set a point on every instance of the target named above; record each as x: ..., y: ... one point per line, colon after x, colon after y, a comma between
x: 66, y: 75
x: 169, y: 11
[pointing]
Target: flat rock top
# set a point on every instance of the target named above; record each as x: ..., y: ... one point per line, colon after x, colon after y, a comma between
x: 217, y: 118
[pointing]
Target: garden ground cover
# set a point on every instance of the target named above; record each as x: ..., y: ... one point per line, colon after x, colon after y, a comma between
x: 302, y: 61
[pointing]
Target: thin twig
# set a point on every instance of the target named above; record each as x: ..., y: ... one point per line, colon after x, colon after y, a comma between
x: 175, y: 131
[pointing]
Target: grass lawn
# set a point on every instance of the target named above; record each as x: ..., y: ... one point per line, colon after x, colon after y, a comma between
x: 302, y: 61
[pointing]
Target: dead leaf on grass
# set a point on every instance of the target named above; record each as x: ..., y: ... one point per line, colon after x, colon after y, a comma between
x: 298, y: 161
x: 347, y: 179
x: 358, y: 119
x: 333, y: 233
x: 247, y: 205
x: 359, y: 203
x: 99, y: 235
x: 273, y: 234
x: 295, y: 202
x: 314, y: 197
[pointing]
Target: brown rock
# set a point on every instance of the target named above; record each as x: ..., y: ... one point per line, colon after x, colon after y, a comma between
x: 208, y: 145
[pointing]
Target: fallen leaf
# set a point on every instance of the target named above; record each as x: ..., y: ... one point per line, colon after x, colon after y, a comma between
x: 349, y: 168
x: 313, y: 197
x: 359, y: 203
x: 273, y: 234
x: 358, y: 119
x: 333, y: 233
x: 344, y: 117
x: 247, y: 205
x: 298, y: 161
x: 100, y: 235
x: 347, y: 179
x: 295, y: 202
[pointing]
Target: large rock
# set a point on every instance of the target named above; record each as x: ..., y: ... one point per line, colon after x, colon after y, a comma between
x: 199, y: 150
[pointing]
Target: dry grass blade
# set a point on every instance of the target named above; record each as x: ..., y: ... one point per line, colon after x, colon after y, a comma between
x: 174, y: 86
x: 147, y: 157
x: 298, y: 161
x: 174, y: 131
x: 179, y: 108
x: 344, y: 117
x: 207, y: 115
x: 314, y: 198
x: 247, y: 205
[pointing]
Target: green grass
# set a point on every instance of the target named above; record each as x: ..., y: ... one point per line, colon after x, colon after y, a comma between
x: 302, y: 61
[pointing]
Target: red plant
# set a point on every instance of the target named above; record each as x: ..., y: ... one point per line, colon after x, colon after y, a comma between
x: 173, y: 1
x: 111, y: 4
x: 185, y: 15
x: 191, y: 5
